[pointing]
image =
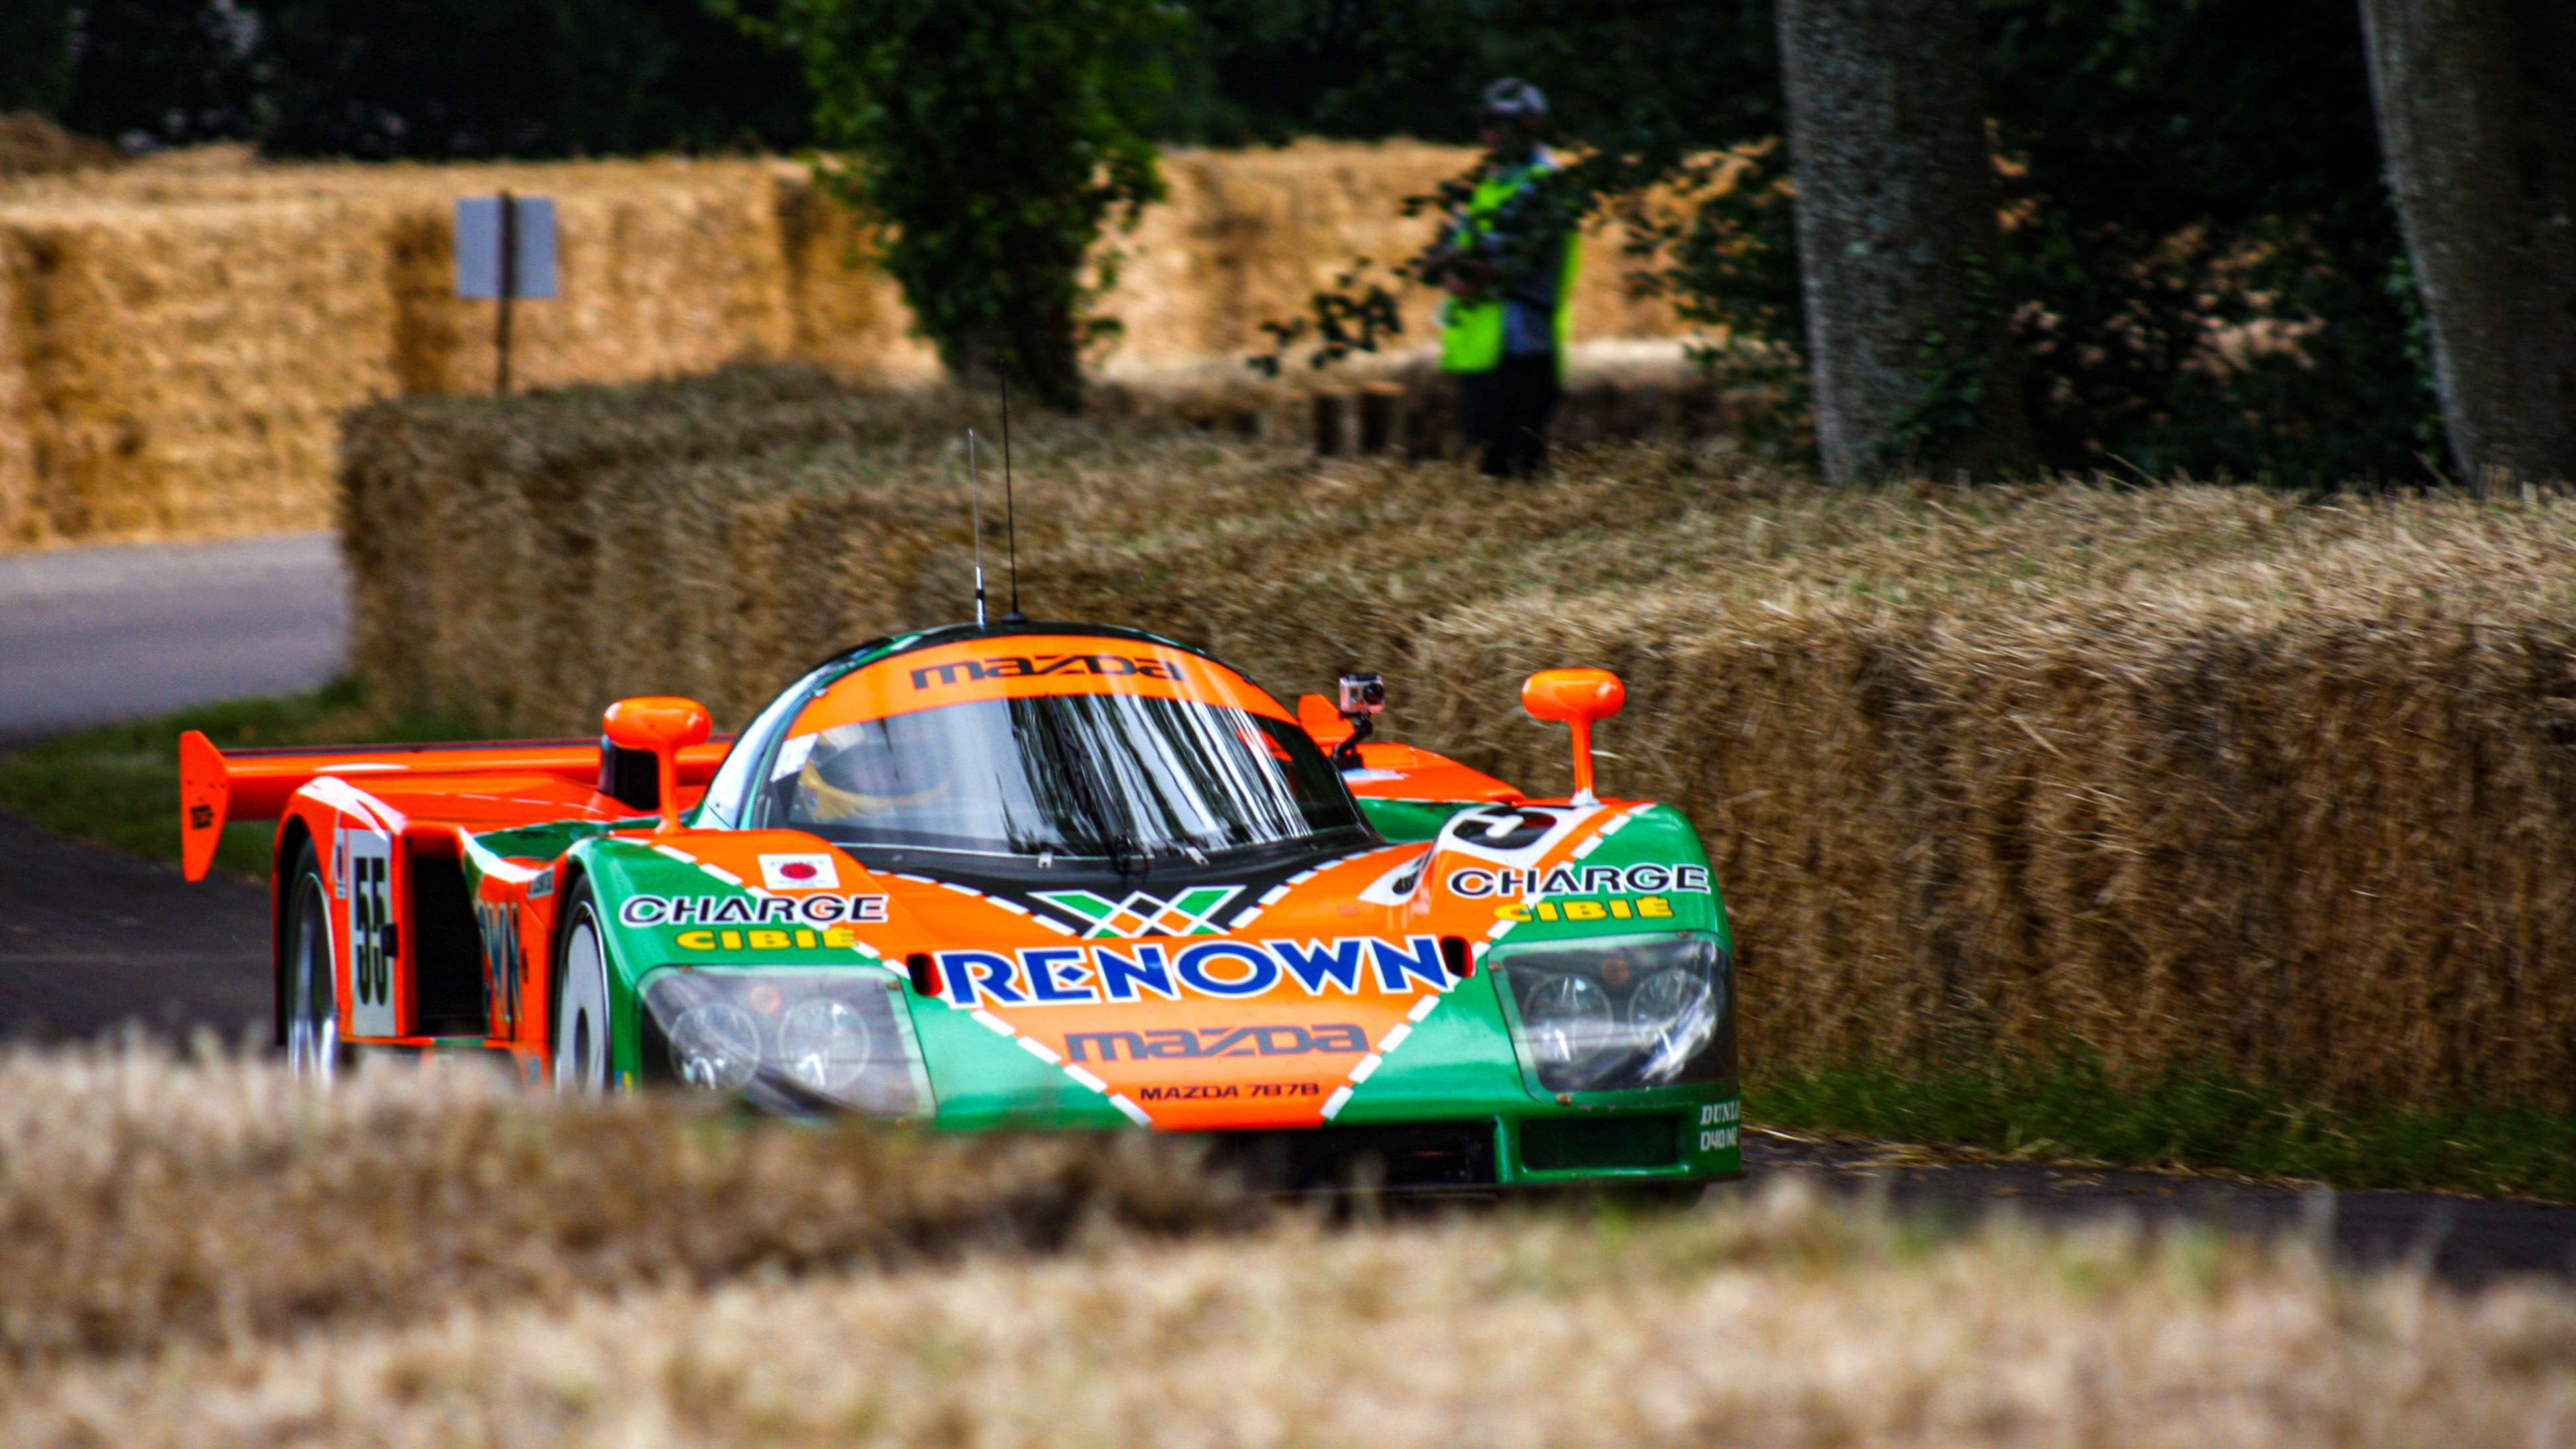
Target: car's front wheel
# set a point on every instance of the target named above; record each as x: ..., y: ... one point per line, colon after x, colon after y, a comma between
x: 308, y: 1002
x: 581, y: 1000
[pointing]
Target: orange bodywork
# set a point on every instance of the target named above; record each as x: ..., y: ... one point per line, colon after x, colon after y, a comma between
x: 1352, y: 899
x: 498, y: 783
x: 420, y: 807
x: 1022, y: 666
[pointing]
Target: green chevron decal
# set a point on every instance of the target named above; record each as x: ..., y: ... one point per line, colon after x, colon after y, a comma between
x: 1186, y: 914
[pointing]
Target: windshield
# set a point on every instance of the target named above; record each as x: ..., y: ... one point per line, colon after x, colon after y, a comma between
x: 1069, y: 774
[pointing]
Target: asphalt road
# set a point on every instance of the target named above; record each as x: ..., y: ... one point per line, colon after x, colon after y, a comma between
x: 2462, y: 1240
x: 91, y: 939
x: 95, y: 635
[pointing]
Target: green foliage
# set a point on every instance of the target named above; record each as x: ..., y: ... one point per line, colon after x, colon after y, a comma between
x: 475, y: 78
x: 1727, y: 260
x: 35, y: 55
x: 1250, y: 72
x: 1656, y: 72
x: 994, y: 143
x: 1953, y: 380
x: 170, y: 72
x: 2067, y: 1108
x: 2200, y: 238
x: 2198, y: 245
x: 1355, y: 314
x: 432, y: 79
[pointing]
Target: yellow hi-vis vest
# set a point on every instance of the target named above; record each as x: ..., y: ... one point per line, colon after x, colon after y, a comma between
x: 1471, y: 332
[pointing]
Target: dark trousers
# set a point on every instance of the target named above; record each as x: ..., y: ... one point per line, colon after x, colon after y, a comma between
x: 1505, y: 412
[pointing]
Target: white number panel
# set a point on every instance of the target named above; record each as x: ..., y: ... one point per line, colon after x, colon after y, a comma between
x: 368, y: 888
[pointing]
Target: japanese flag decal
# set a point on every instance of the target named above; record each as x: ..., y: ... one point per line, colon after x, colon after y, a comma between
x: 800, y: 872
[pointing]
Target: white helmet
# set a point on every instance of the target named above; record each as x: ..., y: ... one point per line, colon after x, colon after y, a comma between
x: 1512, y: 96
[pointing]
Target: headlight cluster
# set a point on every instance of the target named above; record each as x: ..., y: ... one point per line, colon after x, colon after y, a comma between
x: 1619, y: 1012
x: 791, y: 1041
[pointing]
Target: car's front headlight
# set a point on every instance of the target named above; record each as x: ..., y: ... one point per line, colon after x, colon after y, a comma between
x: 1618, y: 1012
x: 790, y: 1041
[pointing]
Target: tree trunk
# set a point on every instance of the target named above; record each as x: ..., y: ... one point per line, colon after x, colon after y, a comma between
x: 2477, y: 114
x: 1897, y: 239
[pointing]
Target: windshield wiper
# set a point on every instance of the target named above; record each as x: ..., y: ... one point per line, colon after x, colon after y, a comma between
x: 1124, y: 857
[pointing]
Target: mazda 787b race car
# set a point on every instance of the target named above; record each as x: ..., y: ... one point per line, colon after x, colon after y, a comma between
x: 1026, y: 876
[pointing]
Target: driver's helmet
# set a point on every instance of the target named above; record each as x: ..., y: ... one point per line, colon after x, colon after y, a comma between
x: 859, y: 770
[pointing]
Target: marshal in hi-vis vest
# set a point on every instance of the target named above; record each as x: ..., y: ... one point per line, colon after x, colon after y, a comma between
x: 1471, y: 332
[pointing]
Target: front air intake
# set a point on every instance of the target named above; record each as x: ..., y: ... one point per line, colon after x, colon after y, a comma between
x: 1596, y: 1144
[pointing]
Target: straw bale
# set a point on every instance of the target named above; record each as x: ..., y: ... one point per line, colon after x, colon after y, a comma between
x: 2322, y: 843
x: 31, y: 145
x: 1249, y: 236
x: 669, y: 272
x: 20, y: 521
x: 2183, y: 776
x: 473, y: 534
x: 849, y: 315
x: 146, y: 408
x: 178, y: 336
x: 529, y: 560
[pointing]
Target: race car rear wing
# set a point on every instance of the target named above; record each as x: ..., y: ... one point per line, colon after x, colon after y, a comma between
x: 219, y: 786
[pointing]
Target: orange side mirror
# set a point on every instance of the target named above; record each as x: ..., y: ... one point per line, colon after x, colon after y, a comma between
x: 662, y: 726
x: 1578, y: 697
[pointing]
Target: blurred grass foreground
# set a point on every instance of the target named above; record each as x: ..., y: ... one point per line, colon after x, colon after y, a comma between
x: 199, y: 1252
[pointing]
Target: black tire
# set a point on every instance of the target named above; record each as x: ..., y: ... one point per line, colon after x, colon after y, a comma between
x: 308, y: 996
x: 578, y: 1018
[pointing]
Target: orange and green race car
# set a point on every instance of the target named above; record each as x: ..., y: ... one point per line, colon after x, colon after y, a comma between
x: 1027, y: 876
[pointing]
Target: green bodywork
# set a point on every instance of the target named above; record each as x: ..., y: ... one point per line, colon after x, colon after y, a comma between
x: 1459, y: 1064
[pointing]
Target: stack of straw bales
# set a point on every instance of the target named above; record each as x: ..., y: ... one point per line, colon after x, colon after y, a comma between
x: 31, y: 145
x: 175, y: 342
x: 2194, y: 775
x: 525, y: 559
x: 140, y: 405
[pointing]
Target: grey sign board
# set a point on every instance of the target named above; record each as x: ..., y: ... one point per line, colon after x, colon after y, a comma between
x: 480, y: 228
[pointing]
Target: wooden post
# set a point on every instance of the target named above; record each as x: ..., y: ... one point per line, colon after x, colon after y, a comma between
x: 1333, y: 420
x: 509, y: 289
x: 1381, y: 417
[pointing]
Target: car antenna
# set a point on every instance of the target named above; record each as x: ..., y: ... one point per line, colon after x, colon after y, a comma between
x: 975, y: 512
x: 1010, y: 509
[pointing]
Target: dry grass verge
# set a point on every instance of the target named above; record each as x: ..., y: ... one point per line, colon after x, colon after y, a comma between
x: 1785, y: 1321
x: 145, y: 1202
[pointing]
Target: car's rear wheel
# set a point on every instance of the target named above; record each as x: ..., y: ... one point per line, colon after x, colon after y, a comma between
x: 581, y: 1032
x: 308, y: 1000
